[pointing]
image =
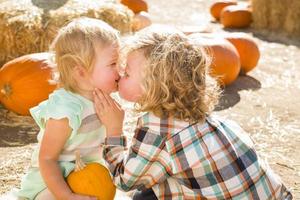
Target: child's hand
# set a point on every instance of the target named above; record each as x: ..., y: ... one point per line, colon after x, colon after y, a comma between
x: 109, y: 112
x: 81, y: 197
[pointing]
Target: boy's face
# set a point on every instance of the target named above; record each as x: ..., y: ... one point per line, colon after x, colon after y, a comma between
x: 105, y: 74
x: 130, y: 85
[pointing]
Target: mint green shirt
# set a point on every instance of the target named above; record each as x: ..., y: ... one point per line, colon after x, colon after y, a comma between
x: 87, y: 136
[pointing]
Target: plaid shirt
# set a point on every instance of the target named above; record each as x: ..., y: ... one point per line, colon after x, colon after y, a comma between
x: 178, y: 160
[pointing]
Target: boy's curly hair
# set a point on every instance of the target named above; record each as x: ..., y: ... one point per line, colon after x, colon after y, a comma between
x: 176, y: 80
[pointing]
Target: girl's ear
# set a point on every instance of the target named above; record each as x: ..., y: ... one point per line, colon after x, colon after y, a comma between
x: 80, y: 71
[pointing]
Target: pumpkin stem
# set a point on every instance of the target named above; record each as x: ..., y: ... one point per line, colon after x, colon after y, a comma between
x: 6, y: 90
x: 79, y: 164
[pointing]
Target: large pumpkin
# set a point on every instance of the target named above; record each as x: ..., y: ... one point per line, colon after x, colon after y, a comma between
x: 91, y: 179
x: 247, y: 49
x: 225, y: 58
x: 25, y: 82
x: 236, y: 16
x: 136, y: 5
x: 217, y: 7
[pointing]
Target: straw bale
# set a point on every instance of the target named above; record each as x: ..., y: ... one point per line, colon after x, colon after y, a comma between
x: 29, y: 26
x: 259, y: 11
x: 280, y: 16
x: 292, y: 24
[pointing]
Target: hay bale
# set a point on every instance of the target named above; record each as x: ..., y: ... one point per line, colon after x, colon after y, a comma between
x: 280, y: 16
x: 20, y: 26
x: 292, y: 24
x: 29, y: 26
x: 259, y: 11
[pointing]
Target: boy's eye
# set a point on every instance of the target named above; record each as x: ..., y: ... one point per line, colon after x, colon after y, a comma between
x: 126, y: 74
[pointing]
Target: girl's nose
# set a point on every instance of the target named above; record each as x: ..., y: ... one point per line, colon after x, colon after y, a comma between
x: 117, y: 75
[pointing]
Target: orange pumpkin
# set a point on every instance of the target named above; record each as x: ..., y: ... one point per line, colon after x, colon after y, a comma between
x: 247, y: 49
x: 140, y: 21
x: 225, y: 58
x: 91, y: 179
x: 25, y: 82
x: 136, y: 5
x: 217, y: 7
x: 236, y: 16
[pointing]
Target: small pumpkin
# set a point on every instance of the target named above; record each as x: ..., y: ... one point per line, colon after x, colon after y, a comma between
x: 91, y: 179
x: 217, y: 7
x: 236, y: 16
x: 225, y: 66
x: 25, y: 82
x: 136, y: 5
x: 140, y: 21
x: 247, y: 49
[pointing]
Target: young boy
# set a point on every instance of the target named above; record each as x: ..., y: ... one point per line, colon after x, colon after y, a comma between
x: 179, y: 150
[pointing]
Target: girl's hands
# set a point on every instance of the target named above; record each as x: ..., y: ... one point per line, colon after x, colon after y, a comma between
x: 109, y: 112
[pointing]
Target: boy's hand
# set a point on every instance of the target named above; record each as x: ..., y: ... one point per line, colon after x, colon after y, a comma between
x: 109, y: 112
x: 81, y: 197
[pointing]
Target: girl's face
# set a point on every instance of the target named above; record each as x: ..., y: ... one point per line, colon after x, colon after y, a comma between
x: 105, y: 74
x: 130, y: 85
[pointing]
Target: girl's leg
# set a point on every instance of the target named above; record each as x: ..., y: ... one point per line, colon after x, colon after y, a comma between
x: 45, y: 195
x: 144, y: 195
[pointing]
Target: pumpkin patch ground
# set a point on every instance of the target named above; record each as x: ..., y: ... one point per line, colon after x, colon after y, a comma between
x: 265, y: 102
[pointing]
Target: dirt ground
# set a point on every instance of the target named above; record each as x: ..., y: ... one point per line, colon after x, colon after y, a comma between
x: 265, y: 102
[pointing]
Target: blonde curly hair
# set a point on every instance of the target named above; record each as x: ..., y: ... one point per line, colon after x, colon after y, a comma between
x: 176, y: 80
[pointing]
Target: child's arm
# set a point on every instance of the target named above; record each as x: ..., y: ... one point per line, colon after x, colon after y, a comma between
x: 54, y: 139
x: 147, y: 162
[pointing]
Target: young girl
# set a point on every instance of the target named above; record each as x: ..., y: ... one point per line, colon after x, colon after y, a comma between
x: 179, y: 150
x: 86, y: 53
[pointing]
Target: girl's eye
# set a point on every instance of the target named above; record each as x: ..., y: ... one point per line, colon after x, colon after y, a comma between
x: 113, y: 64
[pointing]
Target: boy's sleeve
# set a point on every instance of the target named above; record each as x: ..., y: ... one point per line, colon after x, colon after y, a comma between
x: 146, y: 163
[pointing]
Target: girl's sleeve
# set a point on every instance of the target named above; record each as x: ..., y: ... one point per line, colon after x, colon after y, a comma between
x: 146, y: 163
x: 58, y: 107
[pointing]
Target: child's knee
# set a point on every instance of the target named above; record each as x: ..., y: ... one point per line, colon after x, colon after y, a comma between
x: 45, y: 195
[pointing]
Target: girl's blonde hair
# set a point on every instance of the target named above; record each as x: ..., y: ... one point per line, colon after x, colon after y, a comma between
x: 75, y: 45
x: 176, y: 80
